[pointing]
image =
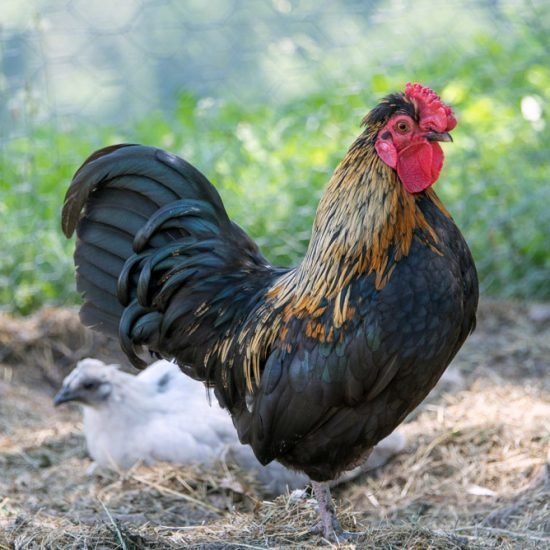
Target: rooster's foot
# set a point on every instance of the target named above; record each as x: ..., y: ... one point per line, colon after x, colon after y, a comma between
x: 329, y: 526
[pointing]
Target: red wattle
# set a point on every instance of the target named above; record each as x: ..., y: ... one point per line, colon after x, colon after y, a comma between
x: 419, y: 165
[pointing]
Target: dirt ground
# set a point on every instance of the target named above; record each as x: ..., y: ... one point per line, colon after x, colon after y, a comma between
x: 474, y: 474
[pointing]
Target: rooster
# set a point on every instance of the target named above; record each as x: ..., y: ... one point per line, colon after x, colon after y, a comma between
x: 317, y: 363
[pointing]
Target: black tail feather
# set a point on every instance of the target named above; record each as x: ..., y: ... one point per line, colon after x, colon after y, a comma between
x: 155, y: 250
x: 126, y: 198
x: 135, y: 181
x: 99, y: 319
x: 153, y: 173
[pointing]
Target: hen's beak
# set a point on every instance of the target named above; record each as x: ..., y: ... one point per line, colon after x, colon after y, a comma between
x: 438, y: 136
x: 64, y: 396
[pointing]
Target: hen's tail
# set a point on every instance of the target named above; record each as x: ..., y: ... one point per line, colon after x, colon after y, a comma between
x: 154, y: 246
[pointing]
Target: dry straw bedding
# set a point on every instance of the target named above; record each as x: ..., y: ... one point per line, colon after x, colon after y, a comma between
x: 475, y: 472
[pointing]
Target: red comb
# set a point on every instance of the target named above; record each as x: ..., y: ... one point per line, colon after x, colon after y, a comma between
x: 434, y: 114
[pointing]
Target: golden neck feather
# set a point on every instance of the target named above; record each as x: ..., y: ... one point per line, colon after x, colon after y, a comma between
x: 364, y: 211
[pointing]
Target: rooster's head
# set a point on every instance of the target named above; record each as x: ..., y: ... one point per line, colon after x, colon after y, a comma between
x: 408, y: 126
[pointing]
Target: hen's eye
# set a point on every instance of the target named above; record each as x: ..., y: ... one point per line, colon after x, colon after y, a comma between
x: 90, y: 385
x: 402, y: 126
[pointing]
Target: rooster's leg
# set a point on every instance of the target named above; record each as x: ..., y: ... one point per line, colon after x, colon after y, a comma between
x: 329, y: 524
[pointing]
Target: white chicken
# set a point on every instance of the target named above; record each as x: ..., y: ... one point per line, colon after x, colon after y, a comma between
x: 161, y: 415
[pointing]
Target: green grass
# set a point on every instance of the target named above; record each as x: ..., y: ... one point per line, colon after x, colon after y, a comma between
x: 271, y: 163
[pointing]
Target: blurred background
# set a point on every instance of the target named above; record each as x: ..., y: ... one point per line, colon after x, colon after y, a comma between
x: 265, y: 98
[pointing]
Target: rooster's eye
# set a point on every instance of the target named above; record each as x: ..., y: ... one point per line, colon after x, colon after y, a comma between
x: 402, y: 126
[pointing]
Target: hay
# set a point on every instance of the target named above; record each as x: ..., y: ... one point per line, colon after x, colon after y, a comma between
x: 40, y: 350
x: 475, y: 474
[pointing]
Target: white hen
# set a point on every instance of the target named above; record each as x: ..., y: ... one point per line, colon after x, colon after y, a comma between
x: 161, y: 415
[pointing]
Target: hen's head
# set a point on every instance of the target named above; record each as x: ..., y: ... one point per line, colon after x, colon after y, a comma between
x: 90, y: 383
x: 409, y: 126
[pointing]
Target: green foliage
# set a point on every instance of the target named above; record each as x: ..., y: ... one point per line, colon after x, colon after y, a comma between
x: 271, y: 164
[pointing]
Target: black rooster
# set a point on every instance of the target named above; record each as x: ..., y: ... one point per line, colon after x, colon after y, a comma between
x: 318, y: 363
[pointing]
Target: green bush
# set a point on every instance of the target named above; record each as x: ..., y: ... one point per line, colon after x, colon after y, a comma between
x: 271, y: 163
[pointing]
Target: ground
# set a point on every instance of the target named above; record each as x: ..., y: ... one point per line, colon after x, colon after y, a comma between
x: 475, y: 473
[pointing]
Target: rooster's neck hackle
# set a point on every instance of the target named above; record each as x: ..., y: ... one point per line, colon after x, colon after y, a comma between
x: 365, y: 224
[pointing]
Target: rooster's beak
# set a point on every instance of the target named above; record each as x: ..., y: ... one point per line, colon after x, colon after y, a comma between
x: 438, y: 136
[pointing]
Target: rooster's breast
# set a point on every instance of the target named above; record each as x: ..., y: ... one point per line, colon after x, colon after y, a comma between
x: 324, y: 400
